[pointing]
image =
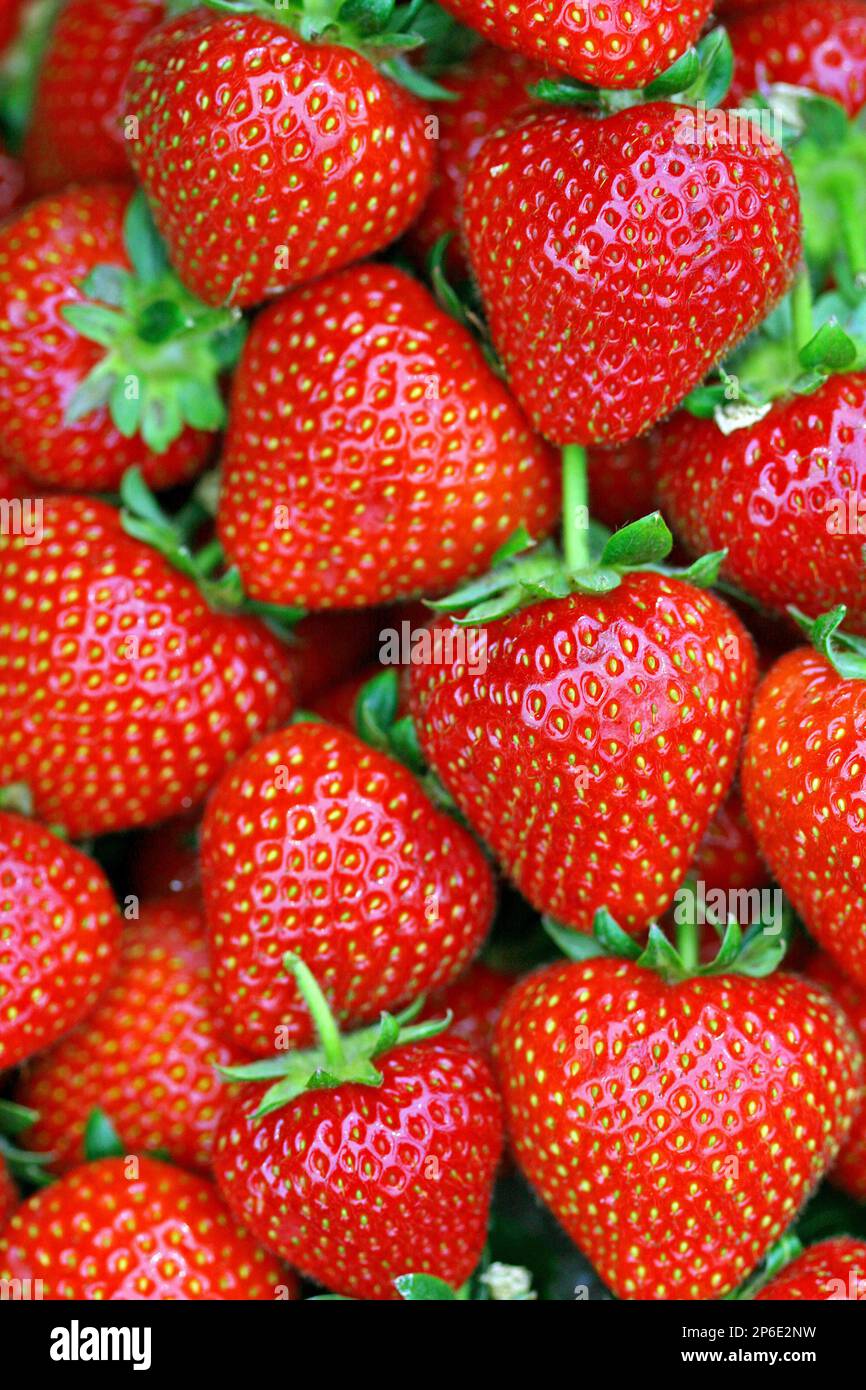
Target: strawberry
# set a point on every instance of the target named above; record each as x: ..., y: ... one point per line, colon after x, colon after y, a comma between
x: 620, y: 258
x: 728, y: 858
x: 490, y: 87
x: 9, y: 1197
x: 817, y: 44
x: 105, y: 1232
x: 850, y: 1170
x: 10, y: 19
x: 14, y: 484
x: 618, y: 44
x: 331, y: 645
x: 314, y: 160
x: 75, y: 134
x: 675, y: 1126
x: 372, y: 454
x: 621, y: 482
x: 834, y: 1270
x: 337, y: 704
x: 388, y: 1170
x: 474, y: 1003
x: 800, y: 780
x: 11, y: 182
x: 60, y: 932
x: 124, y: 695
x: 317, y: 843
x: 88, y: 389
x: 164, y: 860
x: 145, y: 1056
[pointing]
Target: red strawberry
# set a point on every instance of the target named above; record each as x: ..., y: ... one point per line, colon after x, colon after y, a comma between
x: 850, y: 1170
x: 674, y: 1129
x: 728, y: 858
x: 145, y: 1056
x: 618, y: 44
x: 337, y: 703
x: 100, y: 1233
x: 164, y: 860
x: 124, y: 696
x: 16, y: 484
x: 268, y: 160
x: 81, y: 382
x: 595, y: 749
x: 490, y: 87
x: 9, y: 1197
x: 372, y: 454
x: 621, y: 482
x: 620, y: 258
x: 833, y: 1270
x: 11, y: 182
x: 316, y: 843
x: 10, y: 18
x: 59, y: 937
x: 817, y: 44
x: 76, y: 134
x: 329, y: 646
x: 801, y: 778
x: 475, y: 1001
x: 387, y: 1171
x: 792, y: 485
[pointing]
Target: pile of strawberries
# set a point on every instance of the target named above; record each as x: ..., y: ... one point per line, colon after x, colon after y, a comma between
x: 400, y: 825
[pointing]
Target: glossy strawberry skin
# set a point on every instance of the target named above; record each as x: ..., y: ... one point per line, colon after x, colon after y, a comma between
x: 124, y: 696
x: 9, y: 1196
x: 359, y: 1184
x: 619, y: 259
x: 728, y: 858
x: 46, y: 251
x: 371, y: 452
x: 817, y: 44
x: 850, y: 1170
x: 76, y: 134
x: 99, y: 1234
x: 618, y: 44
x: 833, y: 1270
x: 595, y: 749
x: 336, y: 160
x: 146, y: 1055
x: 791, y: 486
x: 801, y: 780
x: 317, y: 844
x: 11, y: 182
x: 59, y: 937
x: 491, y: 87
x: 674, y: 1131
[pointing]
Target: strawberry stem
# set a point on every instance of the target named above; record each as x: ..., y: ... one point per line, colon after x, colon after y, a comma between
x: 323, y: 1020
x: 575, y: 509
x: 801, y: 310
x: 850, y: 221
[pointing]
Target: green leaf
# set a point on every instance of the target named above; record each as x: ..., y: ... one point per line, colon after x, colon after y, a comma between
x: 15, y: 1118
x: 704, y: 401
x: 831, y: 350
x: 405, y: 746
x: 143, y: 243
x: 95, y: 322
x: 716, y: 58
x: 677, y: 78
x: 644, y: 542
x: 376, y: 708
x: 564, y: 91
x: 93, y: 393
x: 416, y: 1287
x: 107, y: 283
x: 366, y: 16
x: 518, y: 542
x: 101, y: 1139
x: 414, y: 80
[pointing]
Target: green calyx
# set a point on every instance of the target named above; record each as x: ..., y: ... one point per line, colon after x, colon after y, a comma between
x: 340, y: 1059
x: 18, y: 798
x: 845, y: 651
x: 778, y: 1257
x: 378, y: 722
x: 701, y: 76
x: 24, y: 1166
x: 165, y: 351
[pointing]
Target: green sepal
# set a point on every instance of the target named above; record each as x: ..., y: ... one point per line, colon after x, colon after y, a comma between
x: 565, y: 91
x: 778, y: 1257
x: 700, y: 75
x: 715, y: 70
x: 414, y: 1288
x: 25, y: 1166
x: 845, y: 651
x: 101, y: 1139
x: 677, y: 78
x: 17, y: 797
x: 574, y: 945
x: 831, y: 350
x: 644, y: 542
x: 376, y: 708
x: 460, y: 302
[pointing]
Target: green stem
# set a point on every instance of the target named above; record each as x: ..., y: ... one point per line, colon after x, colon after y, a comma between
x: 801, y: 309
x: 575, y: 508
x: 208, y: 558
x: 688, y: 945
x: 851, y: 224
x: 323, y: 1020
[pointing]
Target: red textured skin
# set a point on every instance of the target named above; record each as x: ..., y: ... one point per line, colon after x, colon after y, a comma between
x: 336, y: 857
x: 491, y: 88
x: 224, y: 218
x: 16, y: 484
x: 619, y: 259
x: 627, y: 1099
x: 850, y: 1170
x: 10, y: 15
x: 11, y: 182
x: 9, y: 1196
x: 145, y: 1056
x: 618, y: 44
x: 475, y: 1000
x: 76, y: 131
x: 802, y: 782
x: 106, y: 733
x: 59, y: 937
x: 541, y: 754
x: 728, y: 857
x: 621, y: 483
x: 357, y: 482
x: 98, y: 1234
x: 822, y: 1272
x: 818, y: 44
x: 360, y: 1184
x: 45, y: 253
x: 165, y: 858
x: 773, y: 489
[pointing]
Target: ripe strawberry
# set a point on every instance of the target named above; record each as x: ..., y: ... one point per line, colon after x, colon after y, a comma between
x: 9, y: 1196
x: 597, y: 746
x: 817, y: 44
x: 834, y: 1270
x: 618, y: 44
x: 850, y: 1170
x: 372, y: 454
x: 490, y: 87
x: 387, y: 1171
x: 728, y: 857
x: 76, y: 134
x: 315, y: 159
x: 101, y: 1234
x: 88, y: 390
x: 338, y: 703
x: 11, y: 182
x: 10, y: 18
x: 59, y: 937
x: 315, y: 842
x: 16, y: 484
x: 146, y: 1054
x: 784, y: 486
x: 124, y: 696
x: 621, y: 482
x: 164, y: 860
x: 800, y: 780
x: 620, y: 258
x: 474, y: 1001
x: 674, y: 1128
